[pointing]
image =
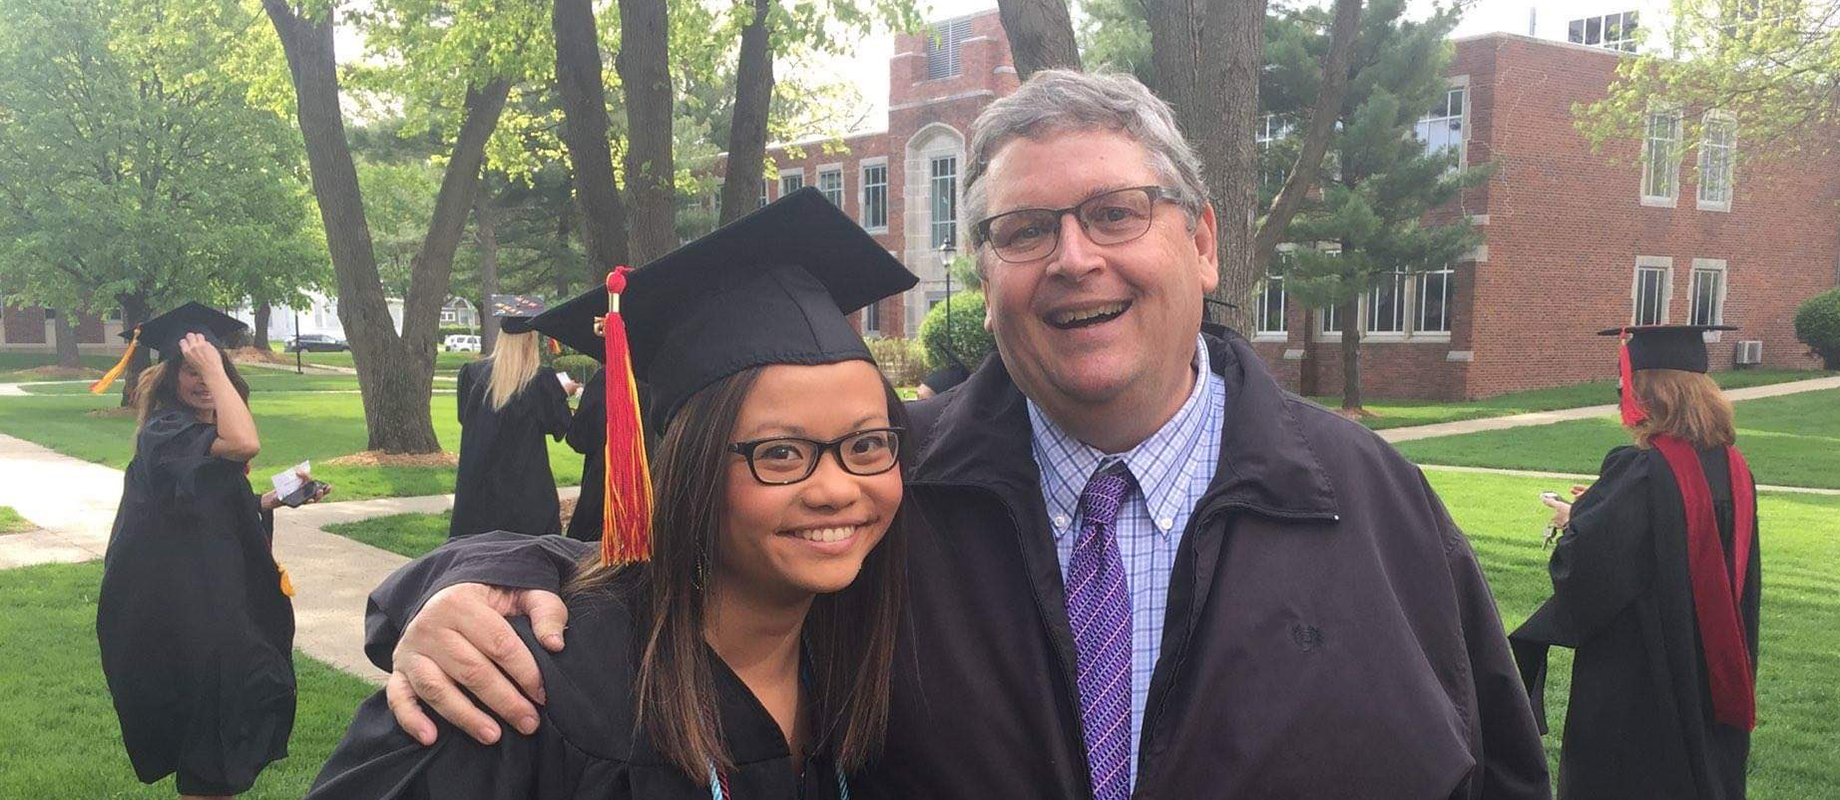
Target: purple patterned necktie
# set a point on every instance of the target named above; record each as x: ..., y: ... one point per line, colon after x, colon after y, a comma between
x: 1099, y: 609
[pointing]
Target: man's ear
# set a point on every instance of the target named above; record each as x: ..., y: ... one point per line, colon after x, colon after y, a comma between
x: 984, y: 289
x: 1207, y: 247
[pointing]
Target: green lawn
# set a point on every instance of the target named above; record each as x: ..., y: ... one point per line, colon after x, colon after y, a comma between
x: 1792, y: 440
x: 1400, y: 413
x: 259, y: 380
x: 295, y: 426
x: 407, y: 534
x: 11, y: 522
x: 1796, y: 748
x: 444, y: 361
x: 57, y: 724
x: 13, y: 366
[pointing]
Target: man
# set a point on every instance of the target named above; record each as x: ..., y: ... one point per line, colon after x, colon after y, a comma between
x: 1149, y: 571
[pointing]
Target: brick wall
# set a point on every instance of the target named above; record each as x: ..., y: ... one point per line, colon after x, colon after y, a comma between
x: 24, y: 325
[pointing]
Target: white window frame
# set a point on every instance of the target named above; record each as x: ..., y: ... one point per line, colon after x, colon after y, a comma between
x: 1422, y: 129
x: 862, y: 193
x: 944, y: 48
x: 872, y: 319
x: 763, y: 192
x: 1649, y: 158
x: 934, y: 220
x: 1728, y: 149
x: 1401, y: 309
x: 1627, y: 23
x: 825, y: 170
x: 1274, y: 280
x: 1323, y: 334
x: 1708, y: 266
x: 791, y: 173
x: 1419, y: 287
x: 1665, y: 266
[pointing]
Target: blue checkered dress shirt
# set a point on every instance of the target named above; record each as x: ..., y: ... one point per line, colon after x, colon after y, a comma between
x: 1173, y: 469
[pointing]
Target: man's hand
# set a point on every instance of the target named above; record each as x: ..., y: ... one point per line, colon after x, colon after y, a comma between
x: 460, y: 639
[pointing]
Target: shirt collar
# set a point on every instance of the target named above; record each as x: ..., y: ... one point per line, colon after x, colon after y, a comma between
x: 1160, y: 464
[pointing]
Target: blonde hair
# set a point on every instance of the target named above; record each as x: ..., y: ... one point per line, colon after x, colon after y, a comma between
x: 514, y: 363
x: 1684, y: 404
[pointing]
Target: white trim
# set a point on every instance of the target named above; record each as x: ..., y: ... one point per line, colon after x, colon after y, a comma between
x: 862, y: 187
x: 1657, y: 200
x: 945, y: 99
x: 1460, y: 355
x: 1478, y: 219
x: 779, y: 180
x: 1666, y: 265
x: 1731, y: 166
x: 1718, y: 305
x: 843, y: 182
x: 1293, y: 354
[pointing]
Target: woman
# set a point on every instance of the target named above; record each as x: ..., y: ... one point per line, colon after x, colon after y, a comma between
x: 193, y: 618
x: 750, y: 656
x: 1656, y: 581
x: 508, y: 401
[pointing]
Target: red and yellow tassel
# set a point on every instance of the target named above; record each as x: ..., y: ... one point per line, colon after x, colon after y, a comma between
x: 555, y: 347
x: 102, y: 384
x: 626, y: 517
x: 1631, y: 406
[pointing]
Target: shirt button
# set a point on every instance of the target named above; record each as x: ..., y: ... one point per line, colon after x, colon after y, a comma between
x: 1166, y: 523
x: 1060, y: 520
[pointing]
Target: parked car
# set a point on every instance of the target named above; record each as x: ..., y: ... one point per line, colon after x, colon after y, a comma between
x: 316, y: 343
x: 461, y: 342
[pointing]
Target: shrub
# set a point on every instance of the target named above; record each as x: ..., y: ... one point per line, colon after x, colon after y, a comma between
x: 578, y: 366
x: 902, y: 360
x: 1817, y: 324
x: 967, y: 337
x: 454, y: 330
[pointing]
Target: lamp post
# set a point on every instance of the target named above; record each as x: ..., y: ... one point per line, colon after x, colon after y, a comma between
x: 297, y: 369
x: 945, y: 265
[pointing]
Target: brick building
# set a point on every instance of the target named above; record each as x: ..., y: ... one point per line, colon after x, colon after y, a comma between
x: 34, y: 329
x: 1573, y: 241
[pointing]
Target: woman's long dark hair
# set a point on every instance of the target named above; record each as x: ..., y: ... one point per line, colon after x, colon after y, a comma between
x: 156, y: 389
x: 849, y: 635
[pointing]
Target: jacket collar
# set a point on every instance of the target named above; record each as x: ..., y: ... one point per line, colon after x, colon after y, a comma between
x: 1267, y: 464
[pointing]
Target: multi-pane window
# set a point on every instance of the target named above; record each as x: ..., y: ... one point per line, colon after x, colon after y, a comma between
x: 1331, y: 317
x: 1268, y: 129
x: 763, y: 193
x: 1661, y: 156
x: 1706, y: 291
x: 1717, y: 146
x: 1442, y: 128
x: 830, y: 182
x: 875, y: 196
x: 942, y: 46
x: 1610, y: 31
x: 943, y: 186
x: 1650, y: 295
x: 1386, y: 305
x: 872, y: 318
x: 1434, y: 298
x: 791, y: 182
x: 1271, y: 302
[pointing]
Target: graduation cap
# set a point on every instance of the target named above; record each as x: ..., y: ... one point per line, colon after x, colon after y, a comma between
x: 516, y: 311
x: 164, y: 332
x: 773, y: 287
x: 1681, y: 347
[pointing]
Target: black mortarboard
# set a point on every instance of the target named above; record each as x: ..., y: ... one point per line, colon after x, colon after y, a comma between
x: 770, y: 288
x: 162, y: 333
x: 516, y: 311
x: 1681, y: 347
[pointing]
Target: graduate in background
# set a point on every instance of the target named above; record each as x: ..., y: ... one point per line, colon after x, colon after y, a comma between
x: 1656, y: 581
x: 508, y: 401
x: 193, y: 618
x: 750, y: 657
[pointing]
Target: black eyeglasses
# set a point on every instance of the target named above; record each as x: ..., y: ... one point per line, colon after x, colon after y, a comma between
x: 789, y: 459
x: 1115, y: 217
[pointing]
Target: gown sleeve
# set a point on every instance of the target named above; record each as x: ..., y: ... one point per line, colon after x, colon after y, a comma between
x: 588, y: 429
x: 1513, y: 758
x: 462, y: 392
x: 1602, y: 561
x: 555, y: 410
x: 497, y: 558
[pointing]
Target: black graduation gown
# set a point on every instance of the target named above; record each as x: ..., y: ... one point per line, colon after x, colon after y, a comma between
x: 588, y: 436
x: 585, y: 747
x: 1639, y: 723
x: 504, y: 482
x: 196, y: 635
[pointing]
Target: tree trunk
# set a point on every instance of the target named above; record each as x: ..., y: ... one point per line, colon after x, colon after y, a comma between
x: 1350, y: 313
x: 645, y: 77
x: 1309, y: 378
x: 1207, y: 57
x: 1040, y: 35
x: 584, y: 134
x: 64, y: 331
x: 134, y: 311
x: 747, y: 136
x: 395, y: 373
x: 1302, y: 178
x: 485, y: 227
x: 258, y: 337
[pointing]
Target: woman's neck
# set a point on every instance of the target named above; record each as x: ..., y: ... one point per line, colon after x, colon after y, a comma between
x: 759, y: 641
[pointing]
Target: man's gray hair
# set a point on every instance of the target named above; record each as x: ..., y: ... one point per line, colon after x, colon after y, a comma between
x: 1059, y: 101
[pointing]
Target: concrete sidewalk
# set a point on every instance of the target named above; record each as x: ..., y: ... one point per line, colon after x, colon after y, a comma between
x: 1582, y: 478
x: 74, y: 501
x: 1407, y: 434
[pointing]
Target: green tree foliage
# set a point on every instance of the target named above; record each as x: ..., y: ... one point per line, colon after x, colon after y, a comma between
x: 1367, y: 224
x: 1817, y: 324
x: 135, y: 168
x: 963, y: 339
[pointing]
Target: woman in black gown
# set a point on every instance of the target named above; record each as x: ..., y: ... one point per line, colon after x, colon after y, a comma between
x: 750, y: 657
x: 193, y: 619
x: 508, y: 402
x: 1656, y: 582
